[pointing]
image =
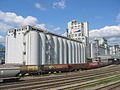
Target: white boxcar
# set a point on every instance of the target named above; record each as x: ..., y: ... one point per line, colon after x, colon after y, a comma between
x: 33, y: 46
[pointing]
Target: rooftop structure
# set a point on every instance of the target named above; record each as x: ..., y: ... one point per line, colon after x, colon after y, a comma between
x: 78, y: 31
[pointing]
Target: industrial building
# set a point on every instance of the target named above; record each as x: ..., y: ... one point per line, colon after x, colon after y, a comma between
x: 2, y: 55
x: 99, y: 47
x: 32, y: 46
x: 115, y: 50
x: 79, y: 31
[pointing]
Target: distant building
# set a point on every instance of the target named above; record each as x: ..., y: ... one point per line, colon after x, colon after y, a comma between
x: 2, y: 55
x: 93, y: 49
x: 99, y: 48
x: 115, y: 50
x: 79, y: 31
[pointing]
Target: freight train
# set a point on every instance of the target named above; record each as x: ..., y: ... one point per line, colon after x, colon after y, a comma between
x: 15, y: 73
x: 51, y: 68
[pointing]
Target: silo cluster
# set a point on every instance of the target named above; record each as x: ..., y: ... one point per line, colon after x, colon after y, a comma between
x: 39, y: 47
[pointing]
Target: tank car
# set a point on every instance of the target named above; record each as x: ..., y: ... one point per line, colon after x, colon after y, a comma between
x: 7, y: 73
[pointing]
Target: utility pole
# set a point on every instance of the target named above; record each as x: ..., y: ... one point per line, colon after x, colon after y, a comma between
x: 67, y: 32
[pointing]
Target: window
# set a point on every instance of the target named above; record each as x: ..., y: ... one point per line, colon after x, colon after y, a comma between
x: 24, y: 53
x: 33, y: 29
x: 75, y: 34
x: 24, y: 43
x: 83, y: 38
x: 78, y: 38
x: 69, y: 35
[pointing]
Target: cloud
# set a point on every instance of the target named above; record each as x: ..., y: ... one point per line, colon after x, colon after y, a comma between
x: 64, y: 34
x: 114, y: 40
x: 13, y: 19
x: 10, y: 20
x: 42, y: 26
x: 53, y: 29
x: 59, y: 4
x: 4, y: 27
x: 107, y: 31
x: 56, y: 29
x: 2, y: 40
x: 111, y: 33
x: 39, y: 6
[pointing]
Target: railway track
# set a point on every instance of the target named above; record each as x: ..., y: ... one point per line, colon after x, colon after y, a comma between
x: 63, y: 80
x: 93, y: 84
x: 111, y: 86
x: 64, y: 75
x: 54, y: 83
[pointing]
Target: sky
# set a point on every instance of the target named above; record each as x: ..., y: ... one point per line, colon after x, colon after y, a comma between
x: 53, y: 15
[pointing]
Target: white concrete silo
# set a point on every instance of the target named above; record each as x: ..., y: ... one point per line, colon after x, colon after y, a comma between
x: 65, y: 51
x: 60, y: 51
x: 69, y: 51
x: 43, y: 48
x: 50, y: 52
x: 73, y: 52
x: 79, y: 53
x: 76, y: 53
x: 82, y: 54
x: 56, y: 52
x: 33, y: 47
